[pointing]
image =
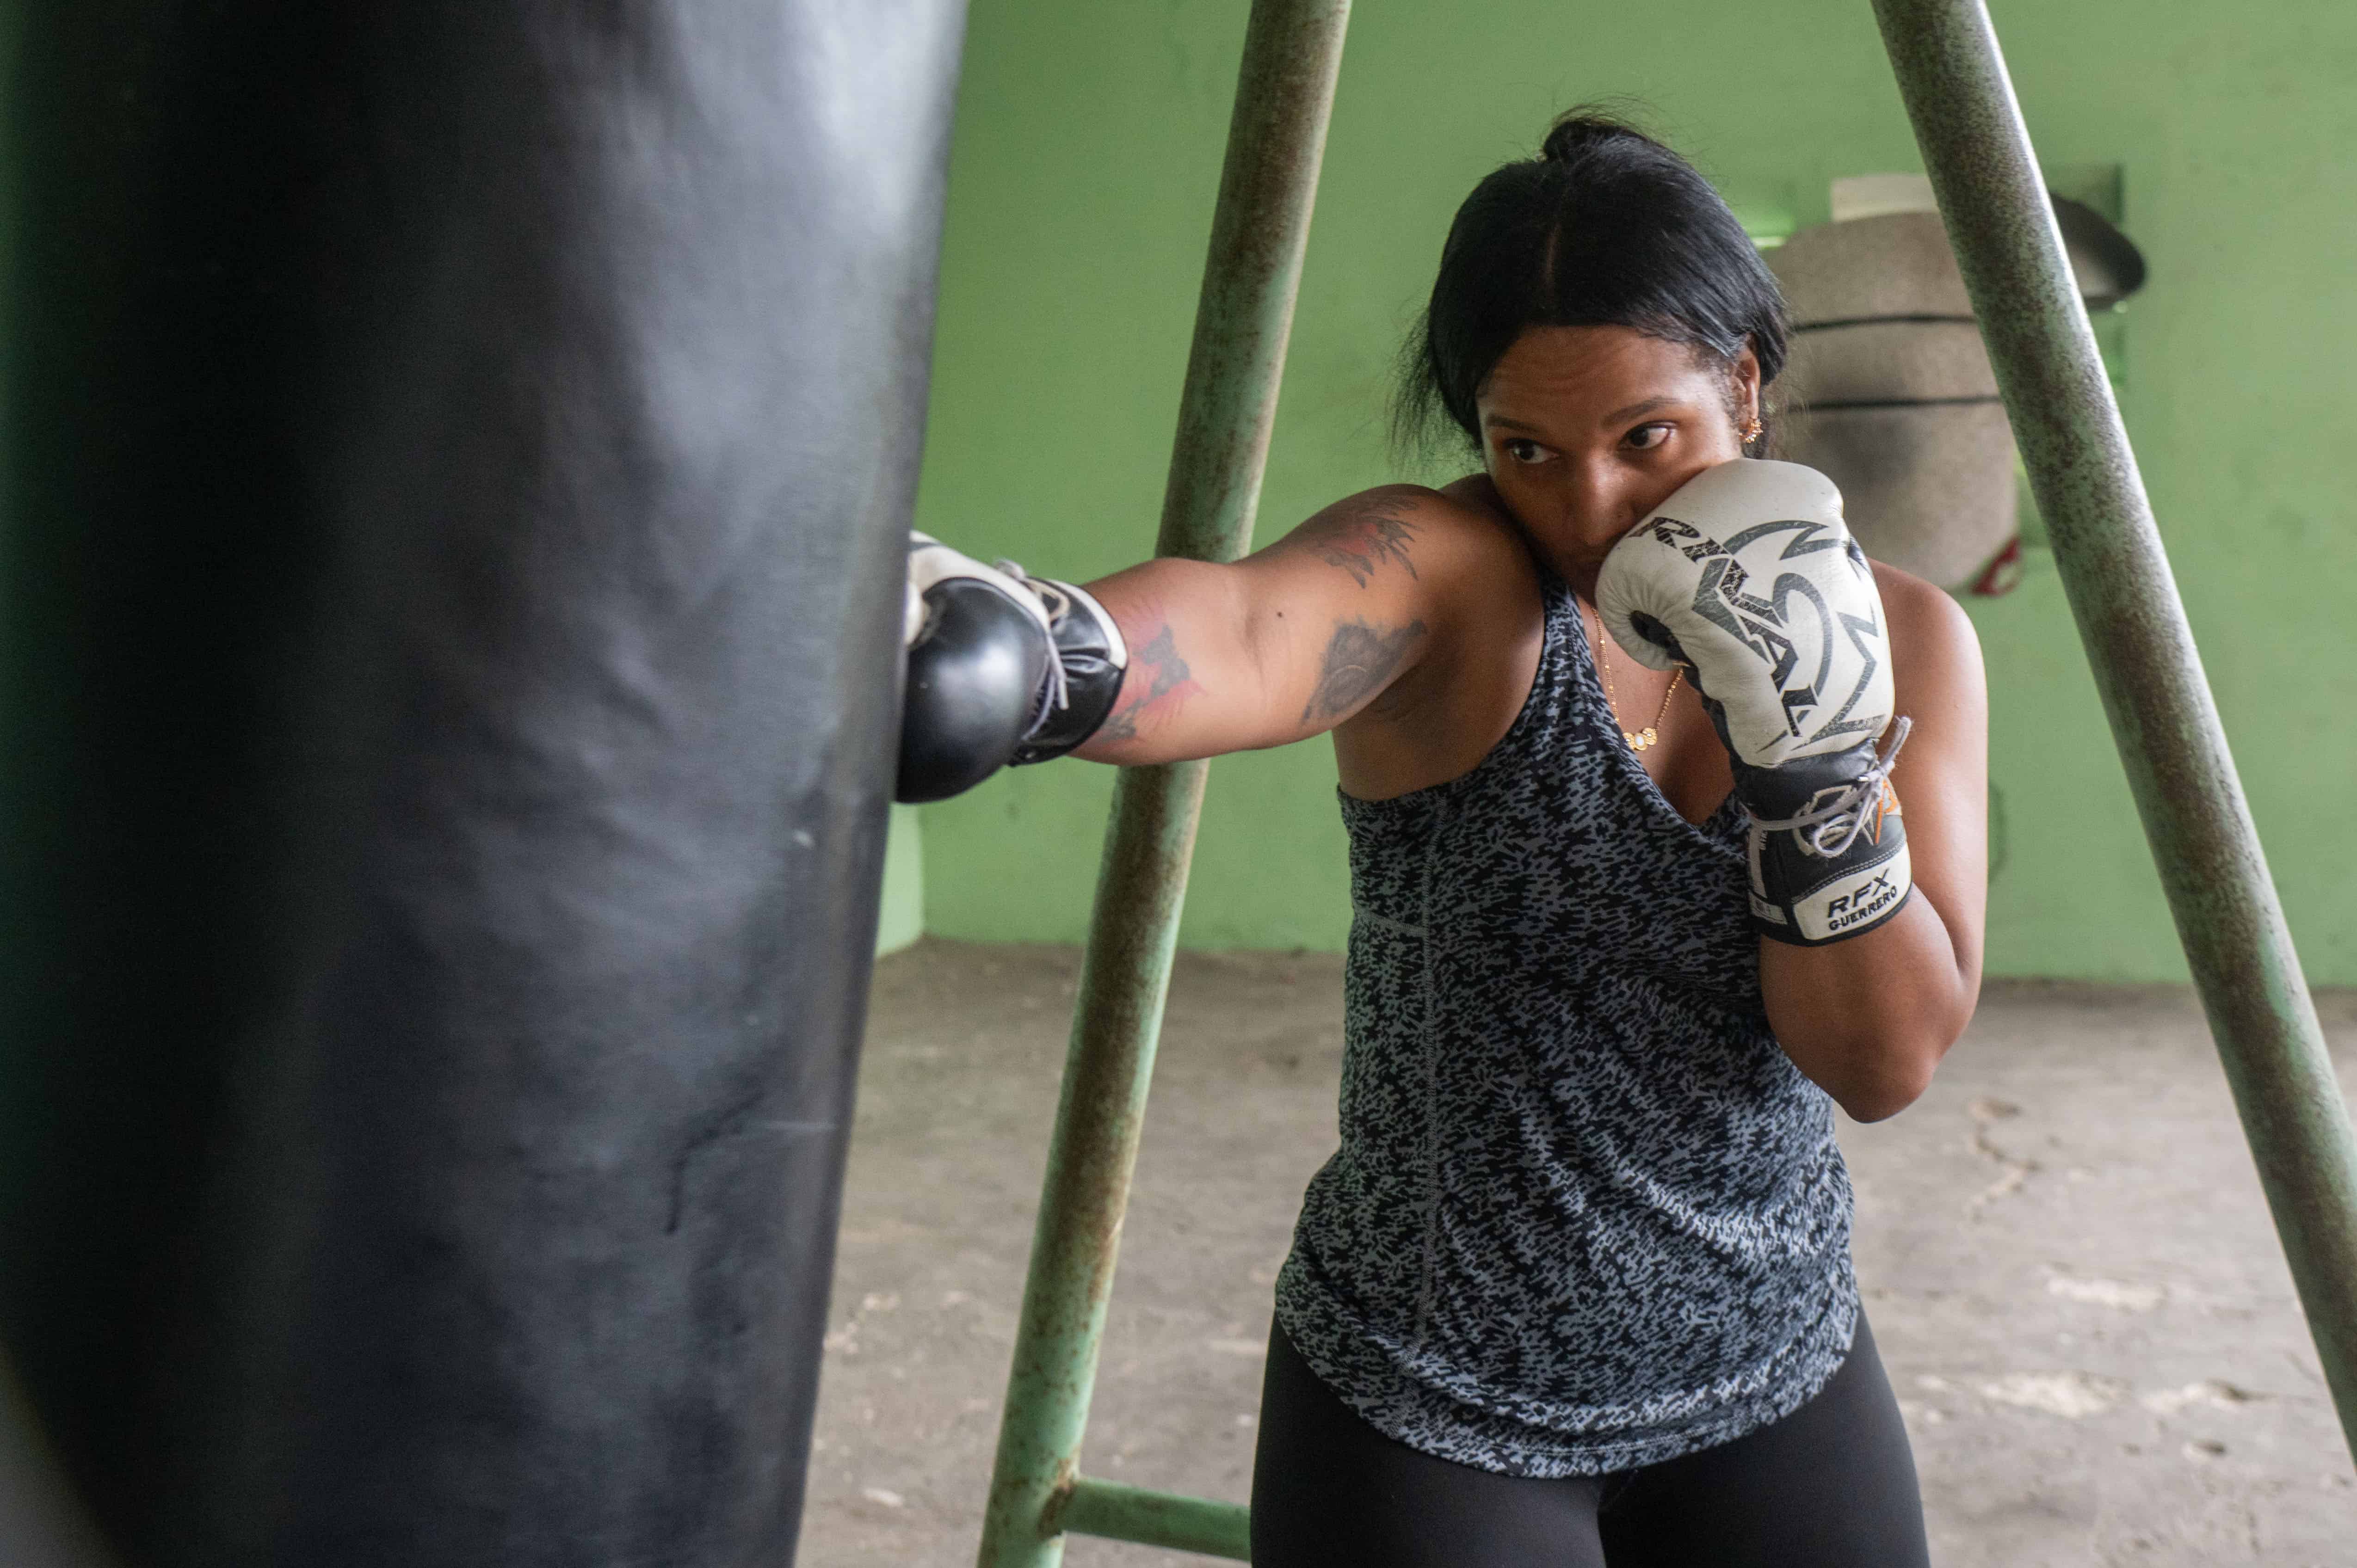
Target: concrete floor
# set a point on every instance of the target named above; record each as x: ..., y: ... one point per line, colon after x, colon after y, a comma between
x: 2070, y: 1271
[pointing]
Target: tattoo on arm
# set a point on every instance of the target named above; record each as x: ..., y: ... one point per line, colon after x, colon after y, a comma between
x: 1157, y: 677
x: 1379, y: 532
x: 1360, y: 662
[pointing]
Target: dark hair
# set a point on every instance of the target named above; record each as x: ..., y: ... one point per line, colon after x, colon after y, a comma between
x: 1606, y: 227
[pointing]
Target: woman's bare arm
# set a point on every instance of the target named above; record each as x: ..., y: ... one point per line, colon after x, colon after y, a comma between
x: 1868, y: 1019
x: 1291, y: 641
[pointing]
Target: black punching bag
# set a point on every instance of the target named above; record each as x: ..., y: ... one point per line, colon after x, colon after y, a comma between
x: 459, y: 456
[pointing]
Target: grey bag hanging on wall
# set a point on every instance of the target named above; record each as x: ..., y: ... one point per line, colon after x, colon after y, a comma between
x: 1889, y: 393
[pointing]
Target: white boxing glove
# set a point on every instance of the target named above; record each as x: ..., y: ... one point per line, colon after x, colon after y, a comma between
x: 1747, y: 578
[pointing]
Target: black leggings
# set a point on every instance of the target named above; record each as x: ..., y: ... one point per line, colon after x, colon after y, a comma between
x: 1830, y: 1485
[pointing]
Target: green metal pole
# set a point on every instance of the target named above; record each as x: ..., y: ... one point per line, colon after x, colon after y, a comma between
x: 1293, y: 51
x: 1117, y: 1512
x: 1952, y: 77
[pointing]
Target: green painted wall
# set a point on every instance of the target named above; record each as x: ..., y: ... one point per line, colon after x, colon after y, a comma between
x: 902, y: 918
x: 1088, y: 151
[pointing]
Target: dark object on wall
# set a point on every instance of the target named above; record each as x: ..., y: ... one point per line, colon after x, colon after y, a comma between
x: 1889, y: 391
x: 460, y: 463
x: 2104, y: 261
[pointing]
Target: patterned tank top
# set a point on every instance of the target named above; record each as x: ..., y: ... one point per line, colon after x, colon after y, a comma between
x: 1586, y: 1214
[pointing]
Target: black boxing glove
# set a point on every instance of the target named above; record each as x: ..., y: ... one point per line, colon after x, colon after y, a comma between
x: 978, y: 650
x: 1002, y: 668
x: 1091, y: 659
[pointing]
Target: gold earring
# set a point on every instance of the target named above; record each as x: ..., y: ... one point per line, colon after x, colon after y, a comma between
x: 1751, y: 431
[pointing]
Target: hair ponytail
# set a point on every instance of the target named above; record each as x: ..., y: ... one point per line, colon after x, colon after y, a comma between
x: 1578, y: 131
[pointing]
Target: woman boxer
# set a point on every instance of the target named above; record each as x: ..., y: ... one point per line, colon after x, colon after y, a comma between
x: 1617, y: 720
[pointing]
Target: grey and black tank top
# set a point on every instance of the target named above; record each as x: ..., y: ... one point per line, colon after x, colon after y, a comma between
x: 1586, y: 1214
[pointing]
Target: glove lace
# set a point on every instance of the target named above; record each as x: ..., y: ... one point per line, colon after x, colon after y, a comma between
x: 1834, y: 825
x: 1056, y: 694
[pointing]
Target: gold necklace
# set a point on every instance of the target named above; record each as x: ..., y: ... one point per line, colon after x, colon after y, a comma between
x: 1652, y: 733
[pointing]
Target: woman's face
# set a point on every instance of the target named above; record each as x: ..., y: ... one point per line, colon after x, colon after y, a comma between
x: 1585, y: 430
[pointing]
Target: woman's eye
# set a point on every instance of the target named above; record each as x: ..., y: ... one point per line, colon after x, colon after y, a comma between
x: 1645, y: 437
x: 1524, y: 451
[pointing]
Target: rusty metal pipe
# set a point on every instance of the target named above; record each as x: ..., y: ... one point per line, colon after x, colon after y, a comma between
x: 1293, y: 51
x: 1952, y: 79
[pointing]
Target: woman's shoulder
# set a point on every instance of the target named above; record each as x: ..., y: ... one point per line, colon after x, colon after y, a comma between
x: 1455, y: 529
x: 1935, y: 654
x: 1925, y: 618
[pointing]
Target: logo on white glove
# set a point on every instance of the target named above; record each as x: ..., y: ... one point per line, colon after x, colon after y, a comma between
x: 1749, y: 567
x: 1789, y: 626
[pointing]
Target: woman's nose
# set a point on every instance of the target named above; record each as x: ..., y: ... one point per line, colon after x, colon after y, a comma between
x: 1603, y: 501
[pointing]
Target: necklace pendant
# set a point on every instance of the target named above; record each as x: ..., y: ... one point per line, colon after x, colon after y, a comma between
x: 1649, y: 736
x: 1638, y: 742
